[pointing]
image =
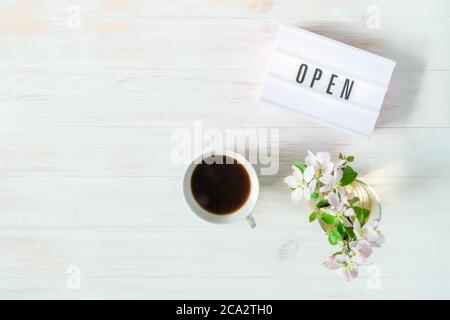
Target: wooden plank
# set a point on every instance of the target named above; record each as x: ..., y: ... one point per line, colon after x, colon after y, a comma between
x: 130, y: 97
x: 305, y: 288
x: 415, y: 43
x: 153, y: 203
x: 223, y: 289
x: 227, y: 8
x: 225, y: 252
x: 145, y: 151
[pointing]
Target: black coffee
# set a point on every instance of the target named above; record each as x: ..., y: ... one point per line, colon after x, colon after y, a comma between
x: 220, y: 184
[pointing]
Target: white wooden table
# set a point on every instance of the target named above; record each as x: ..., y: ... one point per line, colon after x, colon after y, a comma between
x: 86, y: 180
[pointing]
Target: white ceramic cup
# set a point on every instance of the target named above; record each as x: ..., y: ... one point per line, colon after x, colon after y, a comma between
x: 244, y: 213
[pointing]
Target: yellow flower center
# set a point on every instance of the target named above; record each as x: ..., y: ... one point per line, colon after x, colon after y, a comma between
x: 349, y: 265
x: 317, y: 173
x: 301, y: 183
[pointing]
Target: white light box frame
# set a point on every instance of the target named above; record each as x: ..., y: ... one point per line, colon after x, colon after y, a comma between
x: 327, y: 81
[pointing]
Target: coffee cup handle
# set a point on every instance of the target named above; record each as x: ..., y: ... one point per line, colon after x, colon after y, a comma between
x: 251, y: 220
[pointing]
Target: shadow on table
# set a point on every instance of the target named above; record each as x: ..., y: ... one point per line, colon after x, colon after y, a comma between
x: 398, y: 106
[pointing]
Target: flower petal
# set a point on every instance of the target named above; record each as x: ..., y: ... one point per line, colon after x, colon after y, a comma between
x: 338, y: 173
x: 357, y: 228
x: 331, y: 263
x: 353, y: 273
x: 291, y: 182
x: 349, y: 212
x: 381, y: 238
x: 323, y: 157
x: 307, y: 194
x: 374, y: 236
x: 340, y: 163
x: 333, y: 200
x: 348, y: 274
x: 326, y: 179
x: 358, y: 259
x: 327, y: 168
x: 310, y: 159
x: 296, y: 172
x: 296, y: 195
x: 370, y: 234
x: 312, y: 185
x: 363, y: 249
x: 308, y: 174
x: 329, y: 211
x: 347, y: 223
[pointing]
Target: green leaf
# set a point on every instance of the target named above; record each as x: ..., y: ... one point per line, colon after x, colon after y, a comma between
x: 361, y: 214
x: 334, y: 237
x: 313, y: 216
x: 348, y: 159
x: 349, y: 175
x: 322, y: 203
x: 350, y: 233
x: 300, y: 165
x: 314, y: 195
x: 327, y: 218
x: 340, y: 227
x: 353, y: 200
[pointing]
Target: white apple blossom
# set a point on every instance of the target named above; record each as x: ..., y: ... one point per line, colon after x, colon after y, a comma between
x: 331, y: 181
x: 332, y: 263
x: 339, y: 202
x: 362, y: 249
x: 349, y: 271
x: 370, y: 233
x: 340, y: 207
x: 302, y: 184
x: 324, y: 175
x: 349, y: 266
x: 339, y: 164
x: 321, y: 162
x: 345, y: 263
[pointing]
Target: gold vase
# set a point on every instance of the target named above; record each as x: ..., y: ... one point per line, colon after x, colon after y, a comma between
x: 368, y: 199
